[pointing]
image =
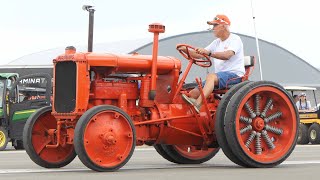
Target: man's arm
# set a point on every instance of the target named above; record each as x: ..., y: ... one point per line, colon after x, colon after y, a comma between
x: 226, y: 55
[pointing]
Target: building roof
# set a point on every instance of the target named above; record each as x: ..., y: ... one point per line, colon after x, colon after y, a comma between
x: 278, y: 64
x: 43, y: 59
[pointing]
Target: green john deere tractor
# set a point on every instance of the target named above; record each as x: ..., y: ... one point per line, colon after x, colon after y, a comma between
x: 19, y: 98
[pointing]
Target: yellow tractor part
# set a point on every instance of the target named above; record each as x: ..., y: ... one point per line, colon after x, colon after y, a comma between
x: 2, y: 138
x: 308, y: 116
x: 309, y: 121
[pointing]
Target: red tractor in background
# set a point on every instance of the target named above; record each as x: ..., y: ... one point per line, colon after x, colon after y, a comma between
x: 104, y: 105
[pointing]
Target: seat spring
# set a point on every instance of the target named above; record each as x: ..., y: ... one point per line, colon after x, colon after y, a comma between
x: 245, y: 129
x: 250, y: 111
x: 258, y: 143
x: 267, y: 139
x: 246, y: 120
x: 273, y: 117
x: 251, y: 137
x: 257, y: 104
x: 264, y: 112
x: 274, y: 129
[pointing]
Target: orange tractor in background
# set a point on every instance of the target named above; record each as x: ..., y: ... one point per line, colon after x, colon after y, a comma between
x: 104, y: 105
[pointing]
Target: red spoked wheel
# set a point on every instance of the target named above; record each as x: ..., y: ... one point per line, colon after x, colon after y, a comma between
x: 104, y: 138
x: 36, y: 136
x: 261, y: 124
x: 202, y: 62
x: 187, y: 154
x: 220, y: 123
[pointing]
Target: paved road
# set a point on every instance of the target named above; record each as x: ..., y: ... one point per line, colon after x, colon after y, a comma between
x: 147, y: 164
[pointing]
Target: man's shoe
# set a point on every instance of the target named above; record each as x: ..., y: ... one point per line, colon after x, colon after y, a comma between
x: 192, y: 102
x: 197, y: 108
x: 188, y: 99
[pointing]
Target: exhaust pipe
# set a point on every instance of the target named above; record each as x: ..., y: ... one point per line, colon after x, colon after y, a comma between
x: 91, y: 21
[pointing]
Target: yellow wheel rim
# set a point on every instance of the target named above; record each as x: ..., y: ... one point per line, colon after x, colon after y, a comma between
x: 2, y: 138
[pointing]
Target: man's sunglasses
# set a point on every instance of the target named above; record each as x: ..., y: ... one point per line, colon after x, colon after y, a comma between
x: 221, y: 20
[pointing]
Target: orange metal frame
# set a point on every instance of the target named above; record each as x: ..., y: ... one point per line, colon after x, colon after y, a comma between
x: 161, y: 116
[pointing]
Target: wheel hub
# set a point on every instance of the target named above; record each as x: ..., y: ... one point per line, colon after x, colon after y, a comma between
x: 109, y: 139
x: 258, y: 124
x: 313, y: 134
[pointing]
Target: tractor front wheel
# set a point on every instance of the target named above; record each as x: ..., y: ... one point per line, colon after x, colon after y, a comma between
x: 36, y: 138
x: 104, y: 138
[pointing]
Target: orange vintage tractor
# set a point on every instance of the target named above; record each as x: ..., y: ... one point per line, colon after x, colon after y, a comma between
x: 104, y: 105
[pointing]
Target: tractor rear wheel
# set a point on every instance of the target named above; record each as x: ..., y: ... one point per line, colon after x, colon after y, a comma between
x: 36, y: 137
x: 187, y: 154
x: 262, y: 124
x: 314, y: 133
x: 163, y: 153
x: 3, y: 138
x: 105, y: 138
x: 303, y: 134
x: 220, y: 123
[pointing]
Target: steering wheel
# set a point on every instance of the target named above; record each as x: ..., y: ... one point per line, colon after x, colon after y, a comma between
x: 206, y: 62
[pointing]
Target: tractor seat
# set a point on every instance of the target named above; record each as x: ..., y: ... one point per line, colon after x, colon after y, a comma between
x: 249, y: 62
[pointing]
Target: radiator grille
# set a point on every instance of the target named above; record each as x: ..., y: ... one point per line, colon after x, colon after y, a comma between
x: 65, y: 87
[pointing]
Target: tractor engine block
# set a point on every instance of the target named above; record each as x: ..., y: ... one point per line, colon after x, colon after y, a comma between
x: 115, y: 91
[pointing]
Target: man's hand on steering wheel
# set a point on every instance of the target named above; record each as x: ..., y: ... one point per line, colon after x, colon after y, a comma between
x: 198, y: 56
x: 202, y: 51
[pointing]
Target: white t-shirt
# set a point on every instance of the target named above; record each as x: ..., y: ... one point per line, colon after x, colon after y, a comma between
x: 236, y: 63
x: 304, y: 105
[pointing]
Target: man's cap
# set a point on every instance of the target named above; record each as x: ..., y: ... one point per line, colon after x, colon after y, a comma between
x: 220, y: 19
x: 303, y: 94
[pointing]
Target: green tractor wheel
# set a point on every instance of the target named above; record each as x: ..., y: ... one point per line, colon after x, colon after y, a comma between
x: 3, y: 138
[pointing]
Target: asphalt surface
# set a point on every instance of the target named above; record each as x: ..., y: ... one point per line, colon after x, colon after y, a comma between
x: 303, y: 163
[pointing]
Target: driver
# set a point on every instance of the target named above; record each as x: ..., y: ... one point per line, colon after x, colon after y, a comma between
x: 228, y: 57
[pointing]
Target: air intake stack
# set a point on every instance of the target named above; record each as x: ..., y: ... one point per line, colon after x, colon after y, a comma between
x: 154, y: 28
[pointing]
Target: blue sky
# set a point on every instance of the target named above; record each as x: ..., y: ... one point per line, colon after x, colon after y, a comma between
x: 36, y: 25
